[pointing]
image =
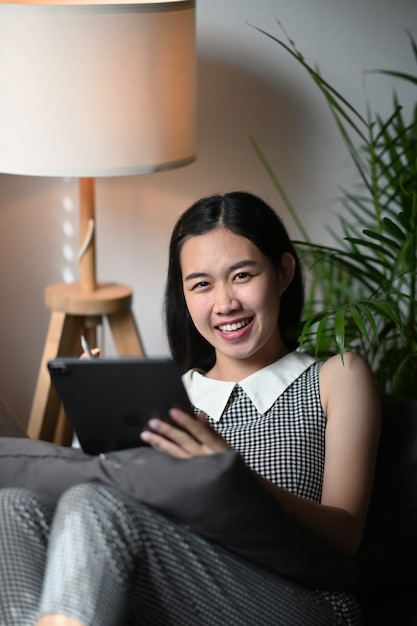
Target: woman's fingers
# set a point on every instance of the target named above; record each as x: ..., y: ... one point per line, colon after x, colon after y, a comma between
x: 193, y: 437
x: 162, y: 444
x: 200, y: 430
x: 95, y: 352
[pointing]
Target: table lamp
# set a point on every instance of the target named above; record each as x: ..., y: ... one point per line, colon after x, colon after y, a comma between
x: 91, y: 89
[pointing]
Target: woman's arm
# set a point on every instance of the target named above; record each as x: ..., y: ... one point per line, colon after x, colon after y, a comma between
x: 350, y: 401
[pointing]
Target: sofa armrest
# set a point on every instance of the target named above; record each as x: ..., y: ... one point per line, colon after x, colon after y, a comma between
x: 388, y: 554
x: 9, y: 426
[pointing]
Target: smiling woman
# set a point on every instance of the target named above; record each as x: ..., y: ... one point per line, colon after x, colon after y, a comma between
x: 232, y: 292
x: 270, y: 541
x: 242, y: 239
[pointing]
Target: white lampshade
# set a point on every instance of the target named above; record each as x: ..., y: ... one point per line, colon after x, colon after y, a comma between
x: 93, y: 89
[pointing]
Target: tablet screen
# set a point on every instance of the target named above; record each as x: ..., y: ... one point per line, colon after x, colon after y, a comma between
x: 109, y: 401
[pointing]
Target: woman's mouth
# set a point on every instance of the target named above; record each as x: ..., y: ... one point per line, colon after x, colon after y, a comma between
x: 229, y: 328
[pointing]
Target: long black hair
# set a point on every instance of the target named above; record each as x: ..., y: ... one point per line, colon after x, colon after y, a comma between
x: 248, y: 216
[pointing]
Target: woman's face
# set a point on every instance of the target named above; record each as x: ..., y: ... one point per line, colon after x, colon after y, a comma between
x: 233, y: 296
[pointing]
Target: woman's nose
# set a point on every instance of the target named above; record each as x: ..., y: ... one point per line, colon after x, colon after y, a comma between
x: 225, y: 300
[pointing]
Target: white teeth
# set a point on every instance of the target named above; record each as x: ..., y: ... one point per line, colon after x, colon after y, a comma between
x: 227, y: 328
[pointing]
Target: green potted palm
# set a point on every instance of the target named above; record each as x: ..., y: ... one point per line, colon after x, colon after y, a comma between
x: 362, y: 288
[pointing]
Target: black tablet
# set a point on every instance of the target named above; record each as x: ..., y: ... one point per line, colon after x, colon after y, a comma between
x: 109, y: 401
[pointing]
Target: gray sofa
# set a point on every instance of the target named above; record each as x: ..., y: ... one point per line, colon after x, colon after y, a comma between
x: 388, y: 555
x: 9, y: 427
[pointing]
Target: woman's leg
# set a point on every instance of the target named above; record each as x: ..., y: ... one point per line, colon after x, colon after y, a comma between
x: 113, y: 561
x: 24, y: 527
x: 58, y: 620
x: 89, y: 559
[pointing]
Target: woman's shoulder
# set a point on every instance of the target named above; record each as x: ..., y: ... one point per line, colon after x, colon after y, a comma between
x: 348, y: 364
x: 345, y: 378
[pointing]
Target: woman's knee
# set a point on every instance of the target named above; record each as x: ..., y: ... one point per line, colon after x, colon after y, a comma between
x: 79, y: 494
x: 15, y: 500
x: 89, y: 496
x: 20, y: 508
x: 95, y: 518
x: 100, y: 503
x: 94, y: 505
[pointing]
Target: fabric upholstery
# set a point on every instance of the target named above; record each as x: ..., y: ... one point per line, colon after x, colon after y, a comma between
x: 388, y: 554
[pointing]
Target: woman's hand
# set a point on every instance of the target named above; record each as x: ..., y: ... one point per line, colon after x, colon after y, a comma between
x: 194, y: 437
x: 95, y: 353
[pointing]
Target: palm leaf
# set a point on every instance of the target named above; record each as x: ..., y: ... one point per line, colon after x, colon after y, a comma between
x: 362, y: 290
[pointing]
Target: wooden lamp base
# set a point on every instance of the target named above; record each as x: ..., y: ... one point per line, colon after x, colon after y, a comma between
x: 76, y: 312
x: 78, y: 308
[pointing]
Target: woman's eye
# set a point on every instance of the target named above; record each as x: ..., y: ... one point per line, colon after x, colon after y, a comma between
x: 200, y: 285
x: 242, y: 276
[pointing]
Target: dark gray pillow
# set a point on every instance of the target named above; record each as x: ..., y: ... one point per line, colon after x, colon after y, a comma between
x: 216, y: 496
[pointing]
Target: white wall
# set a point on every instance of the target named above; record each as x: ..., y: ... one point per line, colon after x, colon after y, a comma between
x: 247, y: 87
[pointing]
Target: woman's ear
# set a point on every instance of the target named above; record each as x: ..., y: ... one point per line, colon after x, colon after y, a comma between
x: 286, y: 271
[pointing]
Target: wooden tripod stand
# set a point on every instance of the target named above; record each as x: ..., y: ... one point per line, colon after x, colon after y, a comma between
x: 79, y: 308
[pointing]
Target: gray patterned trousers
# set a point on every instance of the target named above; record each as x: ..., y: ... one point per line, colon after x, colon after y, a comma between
x: 108, y: 560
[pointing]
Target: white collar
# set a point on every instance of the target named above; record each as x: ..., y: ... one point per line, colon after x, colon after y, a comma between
x: 263, y: 387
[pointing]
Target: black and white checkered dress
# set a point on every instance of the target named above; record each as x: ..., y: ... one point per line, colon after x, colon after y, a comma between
x: 286, y: 444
